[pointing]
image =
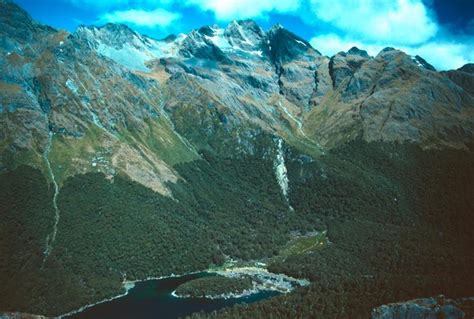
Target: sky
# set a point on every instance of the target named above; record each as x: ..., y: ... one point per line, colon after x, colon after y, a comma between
x: 441, y: 31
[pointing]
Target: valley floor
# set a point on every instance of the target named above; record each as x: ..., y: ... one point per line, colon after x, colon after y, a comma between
x: 372, y: 223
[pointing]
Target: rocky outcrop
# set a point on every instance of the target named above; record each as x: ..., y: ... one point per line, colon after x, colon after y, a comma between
x: 18, y: 315
x: 424, y: 308
x: 343, y: 65
x: 295, y: 64
x: 392, y: 98
x: 464, y: 77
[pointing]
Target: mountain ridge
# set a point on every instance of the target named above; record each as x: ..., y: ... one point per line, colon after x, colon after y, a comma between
x: 274, y: 83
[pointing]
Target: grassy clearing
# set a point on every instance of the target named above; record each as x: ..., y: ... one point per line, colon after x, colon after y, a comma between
x: 159, y: 137
x: 70, y: 155
x: 302, y: 245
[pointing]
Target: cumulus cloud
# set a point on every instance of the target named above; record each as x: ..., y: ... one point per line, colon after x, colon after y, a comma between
x: 371, y: 25
x: 374, y: 24
x: 445, y: 55
x: 158, y: 17
x: 442, y: 54
x: 399, y: 21
x: 244, y: 9
x: 330, y: 44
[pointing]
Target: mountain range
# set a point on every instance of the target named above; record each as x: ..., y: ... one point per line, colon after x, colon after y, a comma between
x: 119, y: 152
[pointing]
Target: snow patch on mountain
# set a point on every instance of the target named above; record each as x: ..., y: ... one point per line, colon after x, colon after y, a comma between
x: 414, y: 59
x: 219, y: 39
x: 128, y: 48
x: 301, y: 42
x: 128, y: 56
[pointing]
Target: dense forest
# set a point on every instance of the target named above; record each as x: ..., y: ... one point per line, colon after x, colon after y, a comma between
x: 400, y: 224
x: 398, y: 219
x: 214, y: 286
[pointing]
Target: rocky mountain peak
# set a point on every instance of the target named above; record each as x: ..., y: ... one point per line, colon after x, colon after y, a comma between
x: 117, y: 27
x: 17, y: 27
x: 343, y: 65
x: 359, y: 52
x: 468, y: 68
x: 422, y: 63
x: 247, y: 26
x: 285, y: 45
x: 463, y: 77
x: 276, y: 27
x: 111, y: 34
x: 207, y: 30
x: 244, y: 34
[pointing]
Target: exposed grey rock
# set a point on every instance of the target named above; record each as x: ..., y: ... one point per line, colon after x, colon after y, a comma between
x: 425, y: 308
x: 343, y: 65
x: 246, y: 35
x: 359, y: 52
x: 468, y: 68
x: 206, y: 88
x: 295, y: 64
x: 422, y: 62
x: 464, y: 77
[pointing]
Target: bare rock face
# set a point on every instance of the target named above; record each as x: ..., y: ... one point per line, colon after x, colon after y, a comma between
x: 464, y: 77
x: 343, y: 65
x: 142, y: 105
x: 295, y: 64
x: 425, y: 308
x: 392, y: 98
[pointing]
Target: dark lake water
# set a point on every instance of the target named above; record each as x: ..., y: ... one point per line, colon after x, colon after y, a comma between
x: 152, y: 299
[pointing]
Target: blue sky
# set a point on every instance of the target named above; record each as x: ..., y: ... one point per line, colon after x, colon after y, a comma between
x: 441, y: 31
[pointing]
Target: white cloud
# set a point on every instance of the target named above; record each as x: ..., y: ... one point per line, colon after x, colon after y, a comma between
x: 330, y: 44
x: 445, y: 55
x: 442, y: 54
x: 226, y: 10
x: 158, y: 17
x: 398, y: 21
x: 368, y: 24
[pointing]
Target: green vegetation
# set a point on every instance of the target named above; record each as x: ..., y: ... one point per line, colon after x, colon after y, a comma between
x: 111, y: 230
x: 302, y: 245
x: 159, y: 137
x: 214, y: 286
x: 81, y: 149
x: 400, y: 224
x: 399, y: 221
x: 26, y: 218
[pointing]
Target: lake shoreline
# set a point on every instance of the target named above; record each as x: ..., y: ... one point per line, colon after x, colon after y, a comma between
x: 127, y: 285
x: 230, y: 271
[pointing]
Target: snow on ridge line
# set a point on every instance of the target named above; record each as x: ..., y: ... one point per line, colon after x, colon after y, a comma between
x: 301, y: 42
